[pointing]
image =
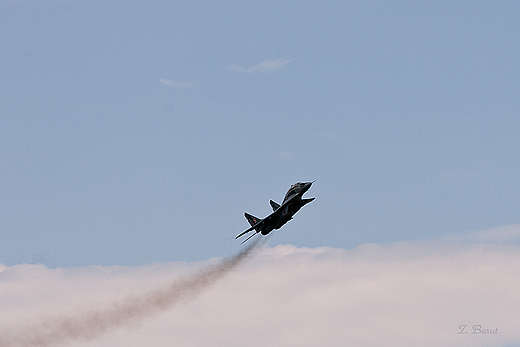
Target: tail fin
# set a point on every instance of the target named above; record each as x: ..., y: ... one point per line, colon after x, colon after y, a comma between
x: 274, y: 205
x: 252, y: 219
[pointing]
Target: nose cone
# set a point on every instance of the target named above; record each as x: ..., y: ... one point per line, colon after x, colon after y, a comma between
x: 307, y: 186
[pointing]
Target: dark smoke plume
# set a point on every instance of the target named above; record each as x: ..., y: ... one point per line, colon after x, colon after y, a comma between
x: 91, y: 324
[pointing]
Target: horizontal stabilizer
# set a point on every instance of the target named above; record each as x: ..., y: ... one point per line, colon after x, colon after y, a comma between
x: 247, y: 239
x: 274, y: 205
x: 245, y: 232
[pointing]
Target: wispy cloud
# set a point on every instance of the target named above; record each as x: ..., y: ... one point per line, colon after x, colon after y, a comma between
x: 264, y: 67
x: 421, y: 293
x: 168, y: 82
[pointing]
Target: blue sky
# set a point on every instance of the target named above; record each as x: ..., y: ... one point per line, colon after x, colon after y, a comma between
x: 134, y: 132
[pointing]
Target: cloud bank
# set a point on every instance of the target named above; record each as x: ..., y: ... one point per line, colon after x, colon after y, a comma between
x: 266, y: 66
x: 427, y: 293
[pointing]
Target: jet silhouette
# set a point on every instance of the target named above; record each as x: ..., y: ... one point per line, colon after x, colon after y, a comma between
x: 281, y: 214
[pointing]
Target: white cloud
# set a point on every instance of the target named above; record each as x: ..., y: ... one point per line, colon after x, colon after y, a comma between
x: 171, y: 83
x: 264, y: 67
x: 402, y: 294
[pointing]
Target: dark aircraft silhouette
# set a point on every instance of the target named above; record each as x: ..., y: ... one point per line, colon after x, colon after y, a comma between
x: 281, y: 213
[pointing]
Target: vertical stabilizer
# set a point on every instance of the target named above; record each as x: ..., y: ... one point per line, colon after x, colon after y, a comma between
x: 252, y: 219
x: 274, y: 205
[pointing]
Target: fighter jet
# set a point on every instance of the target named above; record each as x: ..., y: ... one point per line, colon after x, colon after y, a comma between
x: 283, y: 213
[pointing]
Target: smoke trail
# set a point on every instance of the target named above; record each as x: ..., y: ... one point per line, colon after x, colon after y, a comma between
x: 87, y: 325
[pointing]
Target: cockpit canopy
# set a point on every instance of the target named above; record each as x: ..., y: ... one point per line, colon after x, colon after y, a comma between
x: 297, y: 185
x: 295, y: 189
